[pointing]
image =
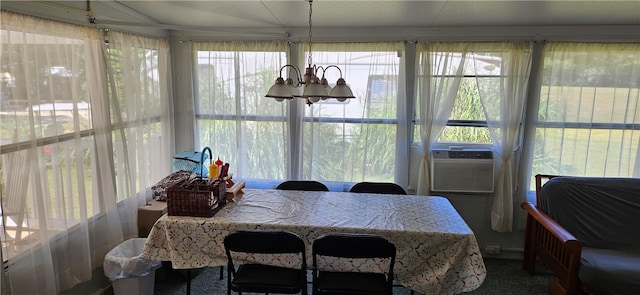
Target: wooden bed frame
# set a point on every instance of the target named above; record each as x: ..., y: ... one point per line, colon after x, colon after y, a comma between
x: 553, y: 246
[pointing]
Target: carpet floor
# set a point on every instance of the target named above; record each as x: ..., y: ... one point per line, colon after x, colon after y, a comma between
x: 504, y: 276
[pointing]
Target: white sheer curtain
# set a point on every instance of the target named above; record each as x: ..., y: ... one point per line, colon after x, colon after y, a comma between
x: 356, y: 140
x: 589, y: 110
x: 440, y: 71
x: 503, y: 102
x: 55, y: 94
x: 59, y: 160
x: 141, y: 115
x: 233, y: 117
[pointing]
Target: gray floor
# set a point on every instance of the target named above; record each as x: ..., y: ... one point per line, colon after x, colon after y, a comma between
x: 503, y: 277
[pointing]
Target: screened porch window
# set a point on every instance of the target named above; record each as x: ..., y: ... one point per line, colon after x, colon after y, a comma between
x: 588, y: 121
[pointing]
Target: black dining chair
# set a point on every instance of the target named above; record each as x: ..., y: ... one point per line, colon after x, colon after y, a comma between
x: 352, y: 247
x: 303, y: 185
x: 262, y: 278
x: 378, y: 188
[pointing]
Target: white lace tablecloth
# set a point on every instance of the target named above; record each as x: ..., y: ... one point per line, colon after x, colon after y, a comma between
x: 437, y: 253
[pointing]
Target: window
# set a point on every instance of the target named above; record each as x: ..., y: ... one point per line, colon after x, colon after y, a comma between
x: 266, y: 141
x: 140, y: 111
x: 473, y: 71
x: 74, y: 144
x: 588, y: 121
x: 233, y: 117
x: 355, y: 140
x: 46, y: 115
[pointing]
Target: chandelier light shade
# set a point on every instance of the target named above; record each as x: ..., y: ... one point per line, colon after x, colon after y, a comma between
x: 314, y: 88
x: 282, y: 90
x: 341, y: 92
x: 279, y: 90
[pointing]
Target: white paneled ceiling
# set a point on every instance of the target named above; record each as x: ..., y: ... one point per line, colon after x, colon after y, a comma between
x: 389, y: 13
x: 335, y: 17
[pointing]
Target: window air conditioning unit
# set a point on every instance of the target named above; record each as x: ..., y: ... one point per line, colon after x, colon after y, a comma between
x: 460, y: 170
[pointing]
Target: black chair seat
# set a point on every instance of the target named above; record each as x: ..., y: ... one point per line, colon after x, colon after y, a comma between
x: 258, y: 277
x: 351, y: 283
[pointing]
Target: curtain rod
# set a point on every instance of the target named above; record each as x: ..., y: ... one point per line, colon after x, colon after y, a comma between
x: 189, y: 28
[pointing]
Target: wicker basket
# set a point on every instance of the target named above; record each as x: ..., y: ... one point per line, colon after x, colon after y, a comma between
x: 200, y: 197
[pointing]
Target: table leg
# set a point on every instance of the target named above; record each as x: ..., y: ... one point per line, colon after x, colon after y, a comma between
x: 188, y: 281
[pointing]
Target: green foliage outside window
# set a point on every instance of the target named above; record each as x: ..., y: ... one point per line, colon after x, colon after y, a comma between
x: 467, y: 107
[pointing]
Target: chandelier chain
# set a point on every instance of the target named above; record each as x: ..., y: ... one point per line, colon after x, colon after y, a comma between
x: 314, y: 89
x: 310, y: 34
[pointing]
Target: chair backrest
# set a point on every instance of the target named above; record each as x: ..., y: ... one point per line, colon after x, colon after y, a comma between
x: 354, y: 246
x: 257, y: 275
x: 338, y: 267
x: 264, y: 242
x: 303, y: 185
x: 378, y: 188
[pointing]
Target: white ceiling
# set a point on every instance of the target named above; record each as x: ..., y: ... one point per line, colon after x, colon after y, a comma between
x: 332, y: 17
x: 389, y: 13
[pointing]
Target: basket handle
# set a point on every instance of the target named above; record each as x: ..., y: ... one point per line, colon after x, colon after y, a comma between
x: 206, y: 148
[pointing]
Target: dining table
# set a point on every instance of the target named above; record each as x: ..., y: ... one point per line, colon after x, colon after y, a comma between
x: 437, y: 252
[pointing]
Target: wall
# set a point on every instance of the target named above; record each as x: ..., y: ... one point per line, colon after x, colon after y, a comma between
x: 476, y: 211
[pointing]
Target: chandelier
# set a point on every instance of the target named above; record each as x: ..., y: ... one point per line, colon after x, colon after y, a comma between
x: 314, y: 88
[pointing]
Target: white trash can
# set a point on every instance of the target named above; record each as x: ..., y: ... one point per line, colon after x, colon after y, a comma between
x: 129, y: 272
